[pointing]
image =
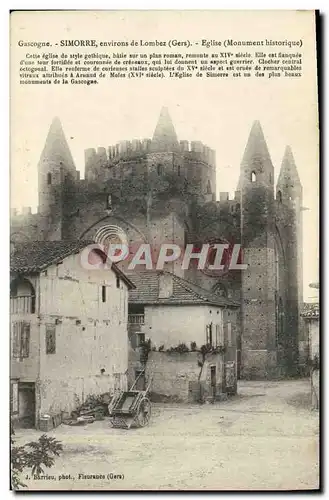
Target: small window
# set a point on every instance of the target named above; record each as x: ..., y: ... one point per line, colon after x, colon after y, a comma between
x: 103, y: 293
x: 178, y: 170
x: 50, y: 339
x: 253, y: 177
x: 140, y: 338
x: 109, y: 202
x: 229, y: 334
x: 279, y: 197
x: 118, y: 282
x: 209, y: 188
x: 49, y: 179
x: 159, y: 169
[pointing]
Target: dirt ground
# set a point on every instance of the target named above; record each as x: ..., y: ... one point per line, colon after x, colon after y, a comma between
x: 264, y: 438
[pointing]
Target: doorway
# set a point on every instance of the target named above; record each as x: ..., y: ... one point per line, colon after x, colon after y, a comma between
x: 26, y: 405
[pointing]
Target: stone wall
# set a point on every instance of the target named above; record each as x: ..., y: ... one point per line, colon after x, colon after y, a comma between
x: 175, y: 376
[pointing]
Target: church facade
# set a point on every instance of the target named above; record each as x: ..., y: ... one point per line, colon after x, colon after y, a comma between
x: 163, y: 191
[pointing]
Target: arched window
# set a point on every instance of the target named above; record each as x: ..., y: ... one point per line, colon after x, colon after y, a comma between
x: 279, y: 196
x: 253, y: 177
x: 49, y: 178
x: 22, y: 297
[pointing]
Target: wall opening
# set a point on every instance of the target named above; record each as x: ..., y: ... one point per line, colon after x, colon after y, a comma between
x: 26, y: 405
x: 253, y: 177
x: 103, y: 293
x: 109, y: 202
x: 22, y: 297
x: 279, y: 197
x: 49, y: 178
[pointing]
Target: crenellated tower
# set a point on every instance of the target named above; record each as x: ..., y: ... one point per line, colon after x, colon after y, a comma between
x: 162, y: 155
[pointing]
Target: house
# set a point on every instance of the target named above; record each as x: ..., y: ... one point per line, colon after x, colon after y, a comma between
x: 68, y: 329
x: 311, y: 316
x: 192, y: 336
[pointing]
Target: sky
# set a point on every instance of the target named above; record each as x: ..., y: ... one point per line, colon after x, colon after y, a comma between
x: 220, y: 113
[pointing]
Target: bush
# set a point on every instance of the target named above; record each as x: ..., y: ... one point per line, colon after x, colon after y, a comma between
x: 34, y: 455
x: 193, y: 346
x: 181, y: 348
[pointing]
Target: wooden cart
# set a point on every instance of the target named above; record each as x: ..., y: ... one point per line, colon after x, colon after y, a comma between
x: 130, y: 408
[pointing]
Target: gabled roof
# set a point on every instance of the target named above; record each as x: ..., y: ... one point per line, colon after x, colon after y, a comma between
x: 36, y: 256
x: 311, y: 310
x: 184, y: 292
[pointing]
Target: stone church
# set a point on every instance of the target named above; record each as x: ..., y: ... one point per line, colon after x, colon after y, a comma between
x: 163, y: 190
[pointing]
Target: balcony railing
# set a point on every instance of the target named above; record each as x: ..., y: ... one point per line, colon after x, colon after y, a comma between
x: 136, y: 319
x: 24, y: 304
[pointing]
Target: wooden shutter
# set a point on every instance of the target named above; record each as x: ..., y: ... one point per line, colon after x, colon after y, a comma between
x: 50, y: 339
x: 25, y: 340
x: 229, y: 334
x: 15, y: 339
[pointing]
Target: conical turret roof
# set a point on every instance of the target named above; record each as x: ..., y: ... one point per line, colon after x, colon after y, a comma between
x: 56, y: 148
x: 256, y: 146
x: 164, y: 137
x: 256, y: 155
x: 288, y: 172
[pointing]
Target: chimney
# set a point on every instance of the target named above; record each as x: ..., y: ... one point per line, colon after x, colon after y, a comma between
x: 165, y: 285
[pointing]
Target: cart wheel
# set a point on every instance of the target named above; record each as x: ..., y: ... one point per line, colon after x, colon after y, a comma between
x: 144, y: 413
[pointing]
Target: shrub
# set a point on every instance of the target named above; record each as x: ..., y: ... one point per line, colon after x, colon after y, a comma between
x: 193, y: 346
x: 34, y: 455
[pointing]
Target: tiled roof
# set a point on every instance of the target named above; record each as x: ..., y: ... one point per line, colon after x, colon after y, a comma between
x: 310, y: 310
x: 184, y: 292
x: 36, y: 256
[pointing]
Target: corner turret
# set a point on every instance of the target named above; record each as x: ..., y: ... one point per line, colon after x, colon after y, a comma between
x: 256, y: 165
x: 288, y: 187
x: 258, y: 281
x: 56, y: 175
